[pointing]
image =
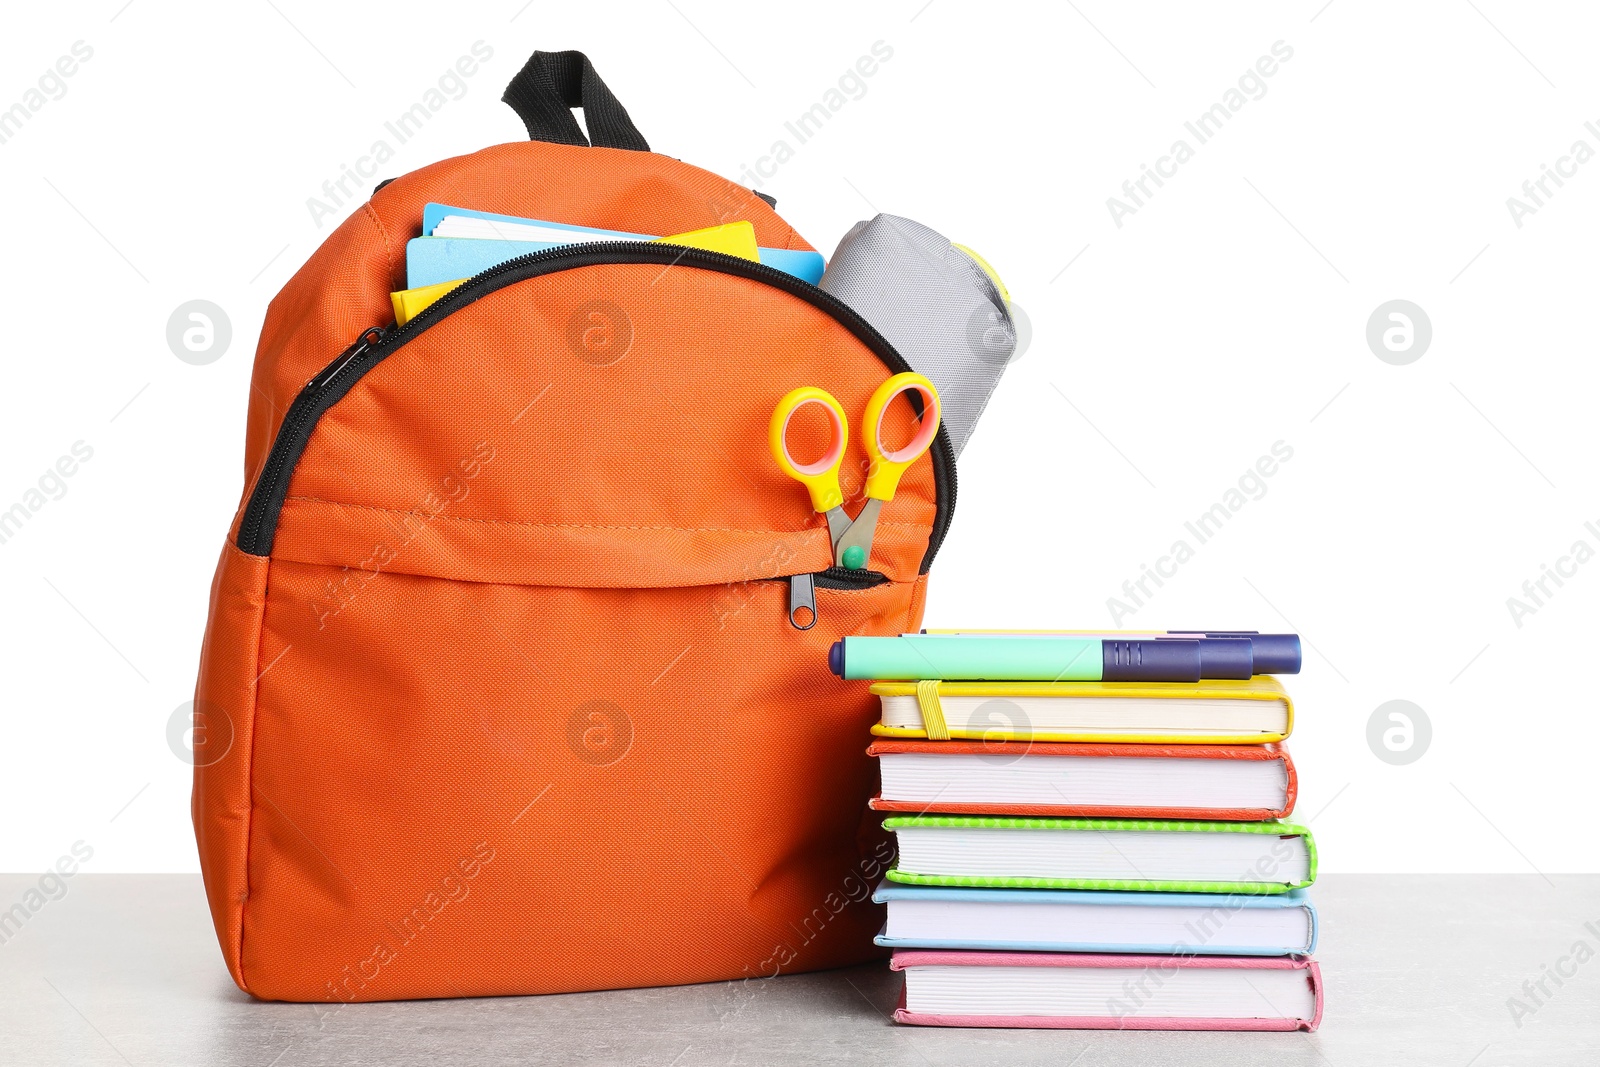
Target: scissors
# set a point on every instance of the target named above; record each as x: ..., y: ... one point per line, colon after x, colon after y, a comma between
x: 852, y: 538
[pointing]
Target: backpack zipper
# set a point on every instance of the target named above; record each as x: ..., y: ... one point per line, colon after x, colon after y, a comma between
x: 803, y: 590
x: 258, y: 526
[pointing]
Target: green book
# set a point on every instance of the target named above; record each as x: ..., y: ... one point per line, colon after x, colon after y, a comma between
x: 1170, y: 856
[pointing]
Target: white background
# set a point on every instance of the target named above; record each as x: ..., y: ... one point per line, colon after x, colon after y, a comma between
x: 1227, y: 314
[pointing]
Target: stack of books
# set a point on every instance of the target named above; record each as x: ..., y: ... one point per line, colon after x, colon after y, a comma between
x: 1093, y: 853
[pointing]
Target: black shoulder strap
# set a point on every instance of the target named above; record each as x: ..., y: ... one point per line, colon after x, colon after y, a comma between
x: 545, y: 91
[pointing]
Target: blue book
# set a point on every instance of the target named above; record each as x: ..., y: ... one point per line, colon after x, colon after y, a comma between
x: 1067, y: 920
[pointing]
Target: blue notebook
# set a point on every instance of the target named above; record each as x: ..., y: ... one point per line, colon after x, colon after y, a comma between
x: 431, y: 260
x: 1066, y: 920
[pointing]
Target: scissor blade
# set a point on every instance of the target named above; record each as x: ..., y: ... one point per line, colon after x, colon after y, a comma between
x: 859, y: 533
x: 838, y: 526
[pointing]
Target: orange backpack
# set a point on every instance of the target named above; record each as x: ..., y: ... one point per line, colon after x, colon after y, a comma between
x: 499, y: 691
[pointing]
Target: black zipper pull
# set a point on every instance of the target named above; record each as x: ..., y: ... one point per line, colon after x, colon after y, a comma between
x: 802, y: 601
x: 369, y: 337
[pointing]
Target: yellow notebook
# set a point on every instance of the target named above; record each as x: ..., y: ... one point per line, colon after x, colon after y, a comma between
x: 731, y: 239
x: 1208, y: 712
x: 408, y: 303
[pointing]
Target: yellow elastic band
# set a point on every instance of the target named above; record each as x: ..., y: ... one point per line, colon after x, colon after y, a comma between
x: 932, y: 713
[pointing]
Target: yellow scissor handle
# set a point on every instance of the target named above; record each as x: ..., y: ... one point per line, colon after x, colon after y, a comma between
x: 820, y: 478
x: 883, y: 475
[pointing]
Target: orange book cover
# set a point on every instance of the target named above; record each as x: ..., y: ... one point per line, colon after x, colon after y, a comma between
x: 1002, y: 750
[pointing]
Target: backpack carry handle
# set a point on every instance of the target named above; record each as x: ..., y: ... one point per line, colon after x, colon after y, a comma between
x: 551, y: 84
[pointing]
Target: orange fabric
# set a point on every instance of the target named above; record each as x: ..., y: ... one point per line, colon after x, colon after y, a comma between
x: 224, y: 695
x: 515, y: 703
x: 1004, y: 750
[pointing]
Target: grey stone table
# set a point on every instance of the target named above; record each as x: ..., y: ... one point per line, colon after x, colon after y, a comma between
x: 1420, y: 969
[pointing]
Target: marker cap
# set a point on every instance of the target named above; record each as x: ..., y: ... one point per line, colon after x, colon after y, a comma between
x: 1276, y: 653
x: 1227, y: 657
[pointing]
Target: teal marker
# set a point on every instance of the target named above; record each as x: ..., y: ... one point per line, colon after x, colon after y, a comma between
x: 968, y: 657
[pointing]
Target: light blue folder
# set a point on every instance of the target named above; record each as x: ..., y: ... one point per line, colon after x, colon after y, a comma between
x: 431, y: 260
x: 1207, y: 939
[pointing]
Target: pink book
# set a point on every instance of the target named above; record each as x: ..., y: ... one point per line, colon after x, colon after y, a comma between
x: 1082, y: 991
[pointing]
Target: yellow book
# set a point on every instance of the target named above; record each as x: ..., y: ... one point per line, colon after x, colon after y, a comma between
x: 408, y: 303
x: 731, y: 239
x: 1208, y: 712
